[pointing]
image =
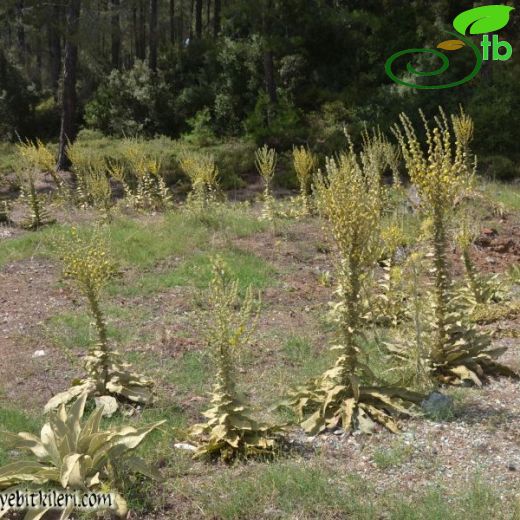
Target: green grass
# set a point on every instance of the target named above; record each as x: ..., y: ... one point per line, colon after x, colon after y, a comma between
x: 74, y: 330
x: 278, y: 490
x: 394, y: 455
x: 195, y: 271
x: 27, y: 245
x: 141, y: 244
x: 297, y: 350
x: 507, y: 194
x: 191, y: 373
x: 14, y: 421
x: 303, y: 490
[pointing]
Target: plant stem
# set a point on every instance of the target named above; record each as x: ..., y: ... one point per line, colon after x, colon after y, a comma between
x: 442, y: 282
x: 102, y: 333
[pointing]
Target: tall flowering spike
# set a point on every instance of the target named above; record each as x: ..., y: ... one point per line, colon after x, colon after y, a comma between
x: 87, y: 262
x: 350, y: 199
x: 441, y: 172
x: 204, y: 177
x: 229, y: 431
x: 265, y: 160
x: 304, y: 163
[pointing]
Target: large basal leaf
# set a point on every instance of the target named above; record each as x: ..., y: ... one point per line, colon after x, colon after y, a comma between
x: 485, y: 19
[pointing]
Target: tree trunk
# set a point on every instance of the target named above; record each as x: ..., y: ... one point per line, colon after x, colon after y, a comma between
x: 55, y: 49
x: 153, y: 35
x: 39, y: 60
x: 115, y: 33
x: 20, y: 32
x: 216, y: 17
x: 208, y: 16
x: 172, y: 22
x: 135, y: 31
x: 270, y: 84
x: 198, y: 18
x: 141, y: 48
x: 181, y: 23
x: 68, y: 129
x: 3, y: 66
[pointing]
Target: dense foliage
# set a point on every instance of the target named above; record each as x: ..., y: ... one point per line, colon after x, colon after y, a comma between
x: 291, y: 72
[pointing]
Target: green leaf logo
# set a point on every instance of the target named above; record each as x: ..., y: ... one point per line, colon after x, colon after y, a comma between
x: 485, y: 19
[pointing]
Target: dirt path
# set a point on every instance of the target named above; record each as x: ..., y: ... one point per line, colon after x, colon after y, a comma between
x: 29, y: 295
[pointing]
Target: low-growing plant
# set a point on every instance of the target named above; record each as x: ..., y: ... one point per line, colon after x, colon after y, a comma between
x: 204, y: 177
x: 88, y: 264
x: 76, y: 455
x: 348, y: 395
x: 304, y: 163
x: 265, y: 160
x: 230, y: 432
x: 5, y: 212
x: 458, y: 352
x: 513, y: 274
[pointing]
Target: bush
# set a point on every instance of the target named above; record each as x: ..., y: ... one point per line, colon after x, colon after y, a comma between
x: 126, y: 104
x: 46, y: 117
x: 279, y: 125
x: 201, y: 130
x: 16, y: 102
x: 499, y: 167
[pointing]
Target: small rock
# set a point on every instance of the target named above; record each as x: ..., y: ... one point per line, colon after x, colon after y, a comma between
x: 108, y: 403
x: 489, y: 231
x: 184, y: 446
x: 438, y: 406
x: 38, y: 353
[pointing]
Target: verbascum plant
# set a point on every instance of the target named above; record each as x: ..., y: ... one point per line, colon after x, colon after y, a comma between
x: 146, y: 187
x: 388, y: 306
x: 459, y: 353
x: 304, y: 163
x: 464, y: 130
x: 479, y: 289
x: 204, y: 177
x: 87, y: 263
x: 36, y: 203
x: 230, y: 432
x: 348, y: 395
x: 382, y: 153
x: 97, y: 184
x: 37, y: 155
x: 75, y: 456
x: 409, y: 345
x: 265, y: 160
x: 86, y: 165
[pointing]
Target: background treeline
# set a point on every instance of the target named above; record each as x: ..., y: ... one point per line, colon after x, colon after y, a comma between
x: 283, y: 72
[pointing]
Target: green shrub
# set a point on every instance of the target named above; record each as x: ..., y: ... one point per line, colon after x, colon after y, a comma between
x: 125, y: 104
x: 278, y: 125
x: 499, y: 167
x: 201, y: 133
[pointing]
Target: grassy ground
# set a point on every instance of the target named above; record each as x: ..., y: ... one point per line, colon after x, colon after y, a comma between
x: 450, y: 468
